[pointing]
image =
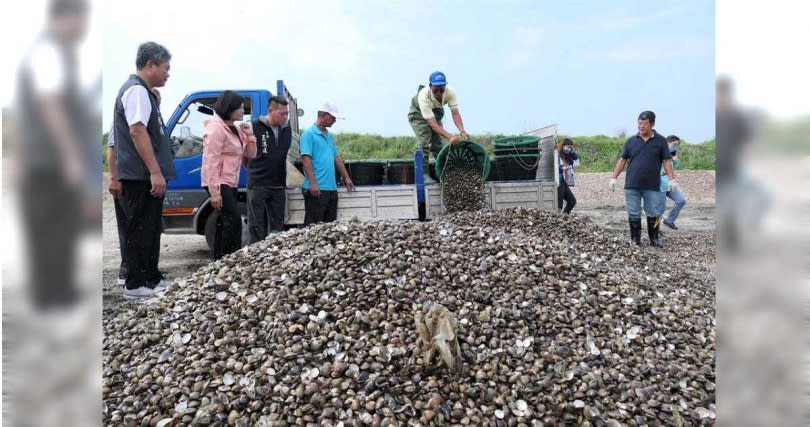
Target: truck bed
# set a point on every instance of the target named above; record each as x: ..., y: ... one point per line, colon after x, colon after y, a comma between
x: 400, y: 201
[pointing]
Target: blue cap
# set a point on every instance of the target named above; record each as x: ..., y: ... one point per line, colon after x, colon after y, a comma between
x: 438, y: 79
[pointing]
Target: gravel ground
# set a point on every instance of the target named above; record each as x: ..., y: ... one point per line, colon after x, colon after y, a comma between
x: 181, y: 255
x: 591, y: 189
x: 606, y: 207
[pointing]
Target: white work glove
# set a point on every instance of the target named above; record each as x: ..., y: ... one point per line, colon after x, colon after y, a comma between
x: 672, y: 185
x: 612, y: 185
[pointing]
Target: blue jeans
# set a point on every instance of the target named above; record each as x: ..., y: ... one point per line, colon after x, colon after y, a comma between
x: 676, y: 197
x: 652, y: 202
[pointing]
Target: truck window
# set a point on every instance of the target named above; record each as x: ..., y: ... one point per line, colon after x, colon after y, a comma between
x: 187, y: 134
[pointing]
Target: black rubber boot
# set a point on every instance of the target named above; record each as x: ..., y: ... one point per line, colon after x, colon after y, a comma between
x: 635, y: 230
x: 653, y: 225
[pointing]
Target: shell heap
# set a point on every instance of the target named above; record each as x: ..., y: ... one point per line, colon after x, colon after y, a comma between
x: 558, y: 322
x: 462, y: 189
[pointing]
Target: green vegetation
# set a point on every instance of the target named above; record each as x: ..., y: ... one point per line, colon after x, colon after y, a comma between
x: 104, y: 152
x: 599, y: 153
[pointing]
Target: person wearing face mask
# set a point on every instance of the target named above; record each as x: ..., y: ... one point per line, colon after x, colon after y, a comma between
x: 675, y: 194
x: 426, y: 113
x: 568, y: 160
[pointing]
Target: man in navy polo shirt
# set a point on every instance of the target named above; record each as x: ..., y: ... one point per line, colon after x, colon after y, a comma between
x: 645, y: 151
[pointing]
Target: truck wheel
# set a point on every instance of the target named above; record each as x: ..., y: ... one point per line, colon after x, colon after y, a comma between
x: 211, y: 229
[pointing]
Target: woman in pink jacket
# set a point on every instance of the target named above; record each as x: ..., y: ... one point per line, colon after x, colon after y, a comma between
x: 224, y: 147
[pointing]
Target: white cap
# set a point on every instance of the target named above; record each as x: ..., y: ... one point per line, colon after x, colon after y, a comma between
x: 328, y: 107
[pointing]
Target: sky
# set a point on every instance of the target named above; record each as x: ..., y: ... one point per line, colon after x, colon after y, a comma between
x: 588, y: 66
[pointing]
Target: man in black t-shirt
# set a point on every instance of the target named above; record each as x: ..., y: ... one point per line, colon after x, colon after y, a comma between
x: 644, y: 153
x: 267, y: 173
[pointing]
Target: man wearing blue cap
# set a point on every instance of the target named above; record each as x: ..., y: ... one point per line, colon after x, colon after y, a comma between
x: 427, y: 111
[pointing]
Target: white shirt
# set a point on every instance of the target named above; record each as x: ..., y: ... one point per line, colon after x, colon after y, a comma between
x: 110, y: 138
x: 137, y: 106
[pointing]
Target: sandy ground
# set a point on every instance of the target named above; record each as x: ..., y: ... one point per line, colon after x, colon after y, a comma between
x: 184, y: 254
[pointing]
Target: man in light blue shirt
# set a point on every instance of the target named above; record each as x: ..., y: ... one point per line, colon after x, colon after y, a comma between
x: 675, y: 194
x: 320, y: 158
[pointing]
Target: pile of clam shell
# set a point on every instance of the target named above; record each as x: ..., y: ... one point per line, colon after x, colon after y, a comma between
x: 462, y: 189
x: 558, y: 322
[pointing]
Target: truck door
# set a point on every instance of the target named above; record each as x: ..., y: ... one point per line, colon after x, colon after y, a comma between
x: 186, y: 130
x: 185, y: 208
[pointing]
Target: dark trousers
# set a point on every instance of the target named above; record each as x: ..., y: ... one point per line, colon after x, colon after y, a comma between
x: 121, y: 220
x: 52, y: 219
x: 265, y: 206
x: 564, y: 193
x: 143, y: 215
x: 228, y: 237
x: 321, y: 209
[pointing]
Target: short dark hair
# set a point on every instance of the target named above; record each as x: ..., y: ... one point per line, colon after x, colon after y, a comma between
x: 567, y: 141
x: 228, y: 102
x: 647, y: 115
x: 276, y: 100
x: 673, y: 138
x: 66, y: 7
x: 151, y: 51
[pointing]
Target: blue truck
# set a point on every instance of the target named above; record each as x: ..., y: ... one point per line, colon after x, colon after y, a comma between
x: 186, y: 209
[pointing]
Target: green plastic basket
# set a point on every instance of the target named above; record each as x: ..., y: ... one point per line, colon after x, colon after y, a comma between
x: 464, y: 154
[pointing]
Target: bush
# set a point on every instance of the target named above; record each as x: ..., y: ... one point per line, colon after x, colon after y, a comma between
x: 599, y: 153
x: 104, y: 164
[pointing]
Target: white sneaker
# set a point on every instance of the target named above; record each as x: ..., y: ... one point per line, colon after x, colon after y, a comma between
x: 164, y: 284
x: 144, y: 291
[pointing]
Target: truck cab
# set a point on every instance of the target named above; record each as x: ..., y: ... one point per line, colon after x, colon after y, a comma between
x: 186, y: 208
